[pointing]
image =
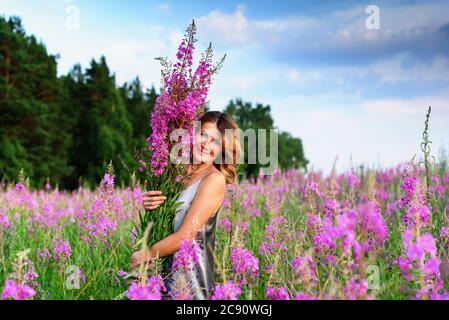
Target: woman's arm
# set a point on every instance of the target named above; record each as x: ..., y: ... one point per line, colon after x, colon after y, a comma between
x: 209, y: 197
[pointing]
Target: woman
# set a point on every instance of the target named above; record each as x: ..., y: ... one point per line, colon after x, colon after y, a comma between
x: 215, y: 154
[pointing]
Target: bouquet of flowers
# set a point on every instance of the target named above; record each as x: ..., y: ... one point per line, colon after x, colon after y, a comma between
x: 182, y: 101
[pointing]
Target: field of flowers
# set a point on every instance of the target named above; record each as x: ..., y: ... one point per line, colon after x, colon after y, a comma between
x: 363, y: 234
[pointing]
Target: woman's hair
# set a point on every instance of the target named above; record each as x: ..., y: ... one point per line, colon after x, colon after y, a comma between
x: 231, y: 150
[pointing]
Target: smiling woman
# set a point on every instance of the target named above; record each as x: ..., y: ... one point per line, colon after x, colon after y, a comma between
x: 201, y: 201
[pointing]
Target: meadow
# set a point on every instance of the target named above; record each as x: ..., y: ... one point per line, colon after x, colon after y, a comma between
x: 361, y: 234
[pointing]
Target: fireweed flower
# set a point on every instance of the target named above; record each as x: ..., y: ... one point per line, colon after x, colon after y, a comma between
x: 385, y: 177
x: 381, y: 194
x: 225, y: 224
x: 151, y: 290
x: 273, y: 293
x: 61, y: 250
x: 305, y: 269
x: 446, y: 179
x: 304, y: 296
x: 244, y: 264
x: 409, y: 187
x: 30, y: 276
x: 405, y: 265
x: 331, y: 207
x: 187, y: 256
x: 24, y: 198
x: 352, y: 180
x: 343, y: 230
x: 133, y: 235
x: 182, y: 98
x: 356, y: 288
x: 314, y: 223
x: 248, y: 202
x: 47, y: 186
x: 97, y: 223
x: 444, y: 235
x: 438, y: 190
x: 417, y: 214
x: 275, y: 201
x: 134, y: 197
x: 60, y: 253
x: 5, y: 223
x: 391, y: 208
x: 276, y: 237
x: 182, y: 287
x: 255, y: 212
x: 421, y: 264
x: 182, y: 295
x: 122, y: 273
x: 325, y: 240
x: 346, y: 228
x: 226, y: 202
x: 372, y: 222
x: 120, y: 276
x: 312, y: 187
x: 243, y: 226
x: 227, y: 291
x: 16, y: 291
x: 44, y: 254
x: 423, y: 245
x: 102, y: 227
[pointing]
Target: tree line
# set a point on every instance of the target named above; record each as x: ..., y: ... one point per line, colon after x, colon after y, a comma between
x: 69, y: 128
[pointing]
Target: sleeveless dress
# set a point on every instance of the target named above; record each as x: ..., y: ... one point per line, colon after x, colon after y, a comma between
x: 201, y: 277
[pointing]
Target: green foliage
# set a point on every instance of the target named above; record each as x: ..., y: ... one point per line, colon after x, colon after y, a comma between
x: 32, y: 124
x: 291, y: 152
x: 66, y: 128
x: 139, y: 106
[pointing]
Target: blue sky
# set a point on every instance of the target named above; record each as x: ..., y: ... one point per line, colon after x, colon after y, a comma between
x: 346, y: 90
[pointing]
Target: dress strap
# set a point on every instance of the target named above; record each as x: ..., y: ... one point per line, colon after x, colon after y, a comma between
x: 197, y: 182
x: 207, y: 173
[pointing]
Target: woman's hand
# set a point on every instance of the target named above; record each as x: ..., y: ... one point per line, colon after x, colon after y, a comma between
x: 139, y: 257
x: 153, y: 199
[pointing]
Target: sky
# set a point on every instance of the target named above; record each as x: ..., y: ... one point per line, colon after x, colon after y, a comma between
x: 351, y: 80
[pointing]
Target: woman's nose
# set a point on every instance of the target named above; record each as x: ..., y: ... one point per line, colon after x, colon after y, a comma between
x: 205, y: 142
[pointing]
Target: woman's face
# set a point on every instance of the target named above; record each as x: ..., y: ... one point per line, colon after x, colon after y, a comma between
x: 208, y: 143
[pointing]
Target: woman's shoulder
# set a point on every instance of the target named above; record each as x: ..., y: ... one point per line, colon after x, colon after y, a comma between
x: 215, y: 178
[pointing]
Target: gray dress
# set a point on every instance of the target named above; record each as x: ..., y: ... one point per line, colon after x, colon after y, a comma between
x: 201, y: 278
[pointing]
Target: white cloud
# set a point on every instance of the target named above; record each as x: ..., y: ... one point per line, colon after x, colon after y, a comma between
x: 163, y: 7
x: 400, y: 21
x: 407, y: 108
x: 175, y: 38
x: 231, y: 28
x: 340, y: 29
x: 293, y: 74
x: 392, y: 70
x: 377, y: 132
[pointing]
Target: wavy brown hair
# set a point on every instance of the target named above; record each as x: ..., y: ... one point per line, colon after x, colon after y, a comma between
x: 231, y: 150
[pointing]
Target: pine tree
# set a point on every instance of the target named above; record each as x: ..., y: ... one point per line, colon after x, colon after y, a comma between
x: 103, y: 131
x: 33, y: 129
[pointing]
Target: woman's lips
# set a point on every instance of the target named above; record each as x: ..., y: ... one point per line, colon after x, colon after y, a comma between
x: 206, y: 153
